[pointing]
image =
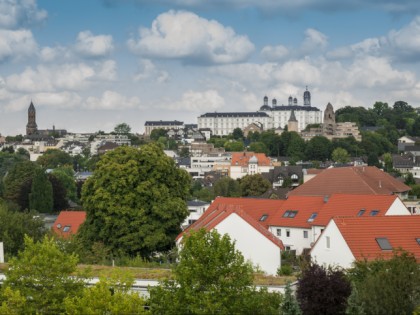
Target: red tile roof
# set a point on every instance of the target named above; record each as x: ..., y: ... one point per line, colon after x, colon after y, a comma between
x: 304, y: 205
x: 360, y: 233
x: 357, y: 180
x: 350, y: 205
x: 248, y: 209
x: 68, y: 222
x: 242, y: 158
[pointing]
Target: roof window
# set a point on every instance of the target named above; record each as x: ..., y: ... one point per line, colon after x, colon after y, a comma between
x: 361, y: 212
x: 374, y: 212
x: 418, y: 240
x: 66, y: 228
x: 290, y: 214
x: 312, y: 217
x: 264, y: 217
x: 383, y: 243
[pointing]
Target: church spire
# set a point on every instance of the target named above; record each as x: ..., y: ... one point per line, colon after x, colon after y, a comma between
x: 31, y: 127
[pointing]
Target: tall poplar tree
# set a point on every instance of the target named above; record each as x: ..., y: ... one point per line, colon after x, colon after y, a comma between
x: 41, y: 196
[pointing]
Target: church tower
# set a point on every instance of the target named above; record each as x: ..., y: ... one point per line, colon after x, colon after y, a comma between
x: 329, y: 120
x: 307, y: 98
x: 292, y: 124
x: 31, y: 127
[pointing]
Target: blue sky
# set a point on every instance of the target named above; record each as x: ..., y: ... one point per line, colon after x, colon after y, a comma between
x: 91, y: 64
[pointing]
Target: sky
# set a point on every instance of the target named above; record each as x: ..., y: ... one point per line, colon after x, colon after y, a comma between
x: 89, y: 65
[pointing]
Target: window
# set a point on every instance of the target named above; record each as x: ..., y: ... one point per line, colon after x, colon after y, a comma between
x: 328, y: 242
x: 418, y: 240
x: 361, y: 212
x: 278, y: 232
x: 305, y: 234
x: 312, y: 217
x: 290, y: 214
x: 66, y: 228
x: 383, y: 243
x: 374, y: 212
x: 288, y: 233
x: 264, y: 217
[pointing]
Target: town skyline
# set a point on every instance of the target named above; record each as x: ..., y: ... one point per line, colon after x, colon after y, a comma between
x: 89, y: 66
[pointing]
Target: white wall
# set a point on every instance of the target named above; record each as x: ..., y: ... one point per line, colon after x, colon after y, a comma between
x: 338, y: 254
x: 398, y: 208
x: 251, y: 243
x: 296, y: 240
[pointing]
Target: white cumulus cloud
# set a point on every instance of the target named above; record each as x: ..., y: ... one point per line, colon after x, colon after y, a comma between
x: 17, y: 13
x: 16, y: 44
x: 111, y: 100
x: 196, y: 101
x: 90, y: 45
x: 186, y: 36
x: 274, y: 53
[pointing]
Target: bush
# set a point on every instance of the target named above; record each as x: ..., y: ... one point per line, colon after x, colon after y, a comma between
x: 285, y: 270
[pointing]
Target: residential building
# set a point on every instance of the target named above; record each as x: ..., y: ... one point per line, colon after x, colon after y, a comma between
x: 149, y: 126
x: 68, y: 223
x: 349, y: 239
x: 249, y: 163
x: 196, y: 209
x: 279, y: 174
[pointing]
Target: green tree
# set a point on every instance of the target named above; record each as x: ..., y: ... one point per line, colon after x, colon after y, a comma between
x: 122, y: 129
x: 258, y: 147
x: 111, y: 295
x: 43, y: 275
x: 157, y: 133
x: 387, y: 286
x: 135, y: 201
x: 318, y: 148
x: 289, y: 305
x: 41, y: 196
x: 340, y: 155
x: 323, y: 290
x: 295, y: 147
x: 65, y: 175
x: 15, y: 225
x: 387, y: 157
x: 409, y: 179
x: 254, y: 185
x: 54, y: 158
x: 211, y: 277
x: 60, y: 201
x: 234, y: 146
x: 227, y: 187
x: 237, y: 134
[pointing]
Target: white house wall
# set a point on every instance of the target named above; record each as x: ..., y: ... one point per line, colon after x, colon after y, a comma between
x: 253, y: 245
x: 295, y: 240
x: 398, y: 208
x: 338, y: 253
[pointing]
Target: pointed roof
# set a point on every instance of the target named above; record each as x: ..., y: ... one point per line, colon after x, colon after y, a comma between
x: 361, y: 234
x: 68, y: 223
x: 355, y: 180
x: 31, y: 107
x: 292, y: 116
x: 243, y: 159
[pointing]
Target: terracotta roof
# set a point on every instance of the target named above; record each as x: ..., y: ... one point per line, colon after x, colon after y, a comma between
x: 351, y: 205
x: 304, y: 206
x: 223, y: 207
x: 68, y: 222
x: 360, y: 233
x: 314, y: 171
x: 242, y: 158
x: 357, y: 180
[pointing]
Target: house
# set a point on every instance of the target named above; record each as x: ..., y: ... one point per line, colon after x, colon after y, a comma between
x: 243, y: 220
x: 279, y: 174
x: 249, y: 163
x: 405, y: 142
x: 196, y: 209
x: 68, y: 223
x: 349, y: 239
x: 355, y: 180
x: 107, y: 146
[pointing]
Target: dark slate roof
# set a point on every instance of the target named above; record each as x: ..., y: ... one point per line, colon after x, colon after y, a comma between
x: 283, y: 171
x: 164, y: 123
x: 235, y: 114
x: 412, y: 148
x: 191, y: 126
x: 197, y: 203
x: 292, y: 116
x: 265, y: 107
x: 184, y: 161
x: 296, y: 108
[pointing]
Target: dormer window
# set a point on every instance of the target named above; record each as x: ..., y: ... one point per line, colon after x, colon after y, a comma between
x: 383, y: 243
x: 263, y: 217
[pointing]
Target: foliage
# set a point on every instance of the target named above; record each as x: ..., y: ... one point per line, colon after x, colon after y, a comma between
x: 295, y: 148
x: 17, y: 183
x: 254, y: 185
x: 15, y: 225
x: 387, y: 286
x: 65, y: 175
x: 135, y: 201
x: 227, y: 187
x: 234, y: 146
x: 340, y: 155
x: 289, y: 306
x: 318, y: 148
x: 387, y: 157
x: 212, y: 277
x: 373, y: 160
x: 59, y: 192
x: 122, y: 129
x: 54, y: 158
x: 285, y: 270
x: 237, y: 134
x: 110, y: 296
x: 157, y: 133
x: 41, y: 196
x: 323, y: 291
x: 41, y: 274
x: 409, y: 179
x: 258, y: 147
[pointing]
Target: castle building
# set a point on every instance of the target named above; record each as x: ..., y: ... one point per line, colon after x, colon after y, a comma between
x: 267, y: 117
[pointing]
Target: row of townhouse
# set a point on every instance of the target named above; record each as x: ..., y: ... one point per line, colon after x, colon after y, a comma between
x: 263, y: 228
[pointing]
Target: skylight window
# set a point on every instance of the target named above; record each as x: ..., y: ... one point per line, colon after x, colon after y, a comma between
x: 290, y: 214
x: 374, y: 212
x: 312, y: 217
x: 66, y: 228
x: 361, y: 212
x: 264, y: 217
x: 383, y: 243
x: 418, y: 240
